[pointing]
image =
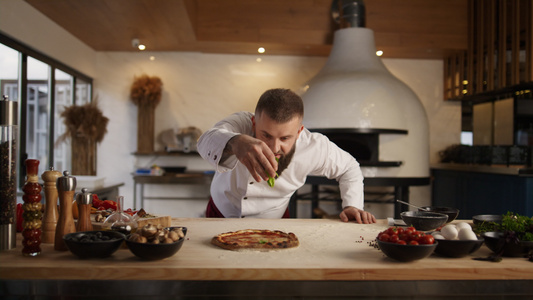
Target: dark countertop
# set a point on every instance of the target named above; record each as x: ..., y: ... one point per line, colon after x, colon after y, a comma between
x: 490, y: 169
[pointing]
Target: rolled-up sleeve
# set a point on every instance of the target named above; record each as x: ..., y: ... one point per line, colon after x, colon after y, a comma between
x: 212, y: 143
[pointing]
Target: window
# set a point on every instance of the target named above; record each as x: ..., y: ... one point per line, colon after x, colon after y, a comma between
x: 43, y: 87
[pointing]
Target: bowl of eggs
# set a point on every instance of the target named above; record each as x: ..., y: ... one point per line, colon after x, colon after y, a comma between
x: 457, y: 240
x: 423, y: 220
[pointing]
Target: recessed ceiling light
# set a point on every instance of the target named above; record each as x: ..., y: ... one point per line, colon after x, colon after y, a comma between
x: 137, y: 44
x: 379, y: 53
x: 261, y: 50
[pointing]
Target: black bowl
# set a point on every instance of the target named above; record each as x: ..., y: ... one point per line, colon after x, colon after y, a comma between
x: 422, y: 220
x: 156, y: 251
x: 458, y: 248
x: 496, y: 243
x: 479, y: 219
x: 451, y: 212
x: 93, y: 244
x: 406, y: 253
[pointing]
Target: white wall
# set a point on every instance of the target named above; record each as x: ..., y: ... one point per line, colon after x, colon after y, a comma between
x: 198, y: 90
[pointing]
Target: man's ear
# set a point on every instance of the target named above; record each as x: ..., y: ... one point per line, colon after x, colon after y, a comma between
x: 253, y: 123
x: 300, y: 130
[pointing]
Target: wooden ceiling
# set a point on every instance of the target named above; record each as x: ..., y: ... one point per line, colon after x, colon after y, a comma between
x: 419, y: 29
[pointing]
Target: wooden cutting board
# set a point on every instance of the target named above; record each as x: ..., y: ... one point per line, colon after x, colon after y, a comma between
x: 164, y: 221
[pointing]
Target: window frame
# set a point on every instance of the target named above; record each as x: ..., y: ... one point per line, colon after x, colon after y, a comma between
x: 26, y: 51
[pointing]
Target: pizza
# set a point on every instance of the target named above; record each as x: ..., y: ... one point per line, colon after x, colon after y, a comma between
x: 255, y: 239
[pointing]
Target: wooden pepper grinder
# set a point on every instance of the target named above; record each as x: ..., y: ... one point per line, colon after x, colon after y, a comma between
x: 84, y: 201
x: 32, y: 206
x: 66, y: 186
x: 50, y: 209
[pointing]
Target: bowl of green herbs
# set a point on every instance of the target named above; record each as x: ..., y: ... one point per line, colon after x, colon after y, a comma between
x: 511, y: 237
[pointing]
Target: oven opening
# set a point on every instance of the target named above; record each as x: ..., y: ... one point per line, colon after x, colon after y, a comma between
x: 361, y: 143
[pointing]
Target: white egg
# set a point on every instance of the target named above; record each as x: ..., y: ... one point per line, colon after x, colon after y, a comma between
x: 449, y: 232
x: 462, y: 225
x: 438, y: 236
x: 467, y: 234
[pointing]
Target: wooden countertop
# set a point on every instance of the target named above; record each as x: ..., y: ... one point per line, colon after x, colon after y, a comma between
x: 329, y: 250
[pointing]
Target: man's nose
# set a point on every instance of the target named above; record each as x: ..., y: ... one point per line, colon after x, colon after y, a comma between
x: 275, y: 146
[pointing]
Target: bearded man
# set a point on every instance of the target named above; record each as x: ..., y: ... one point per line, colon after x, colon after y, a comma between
x: 246, y: 149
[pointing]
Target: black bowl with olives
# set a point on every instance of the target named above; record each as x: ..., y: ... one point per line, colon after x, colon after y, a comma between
x: 93, y: 244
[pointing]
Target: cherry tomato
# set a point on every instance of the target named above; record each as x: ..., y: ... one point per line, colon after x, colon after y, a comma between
x: 404, y: 237
x: 415, y: 236
x: 413, y: 242
x: 401, y: 242
x: 427, y: 239
x: 410, y: 229
x: 394, y: 238
x: 384, y: 237
x: 400, y: 230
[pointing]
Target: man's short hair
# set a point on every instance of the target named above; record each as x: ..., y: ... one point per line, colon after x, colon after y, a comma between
x: 281, y: 105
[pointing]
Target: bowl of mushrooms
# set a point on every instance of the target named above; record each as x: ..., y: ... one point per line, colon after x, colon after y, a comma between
x: 153, y: 242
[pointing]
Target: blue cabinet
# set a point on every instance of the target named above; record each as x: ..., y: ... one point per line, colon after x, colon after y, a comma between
x: 487, y: 191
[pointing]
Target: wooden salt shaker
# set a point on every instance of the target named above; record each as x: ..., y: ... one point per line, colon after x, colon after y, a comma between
x: 50, y: 210
x: 66, y: 186
x: 84, y: 201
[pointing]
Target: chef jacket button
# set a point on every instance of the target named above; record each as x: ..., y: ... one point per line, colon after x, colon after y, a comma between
x: 242, y: 216
x: 251, y: 182
x: 245, y: 198
x: 209, y: 153
x: 215, y: 157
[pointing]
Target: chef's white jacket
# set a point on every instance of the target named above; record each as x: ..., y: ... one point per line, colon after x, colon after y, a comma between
x: 236, y: 193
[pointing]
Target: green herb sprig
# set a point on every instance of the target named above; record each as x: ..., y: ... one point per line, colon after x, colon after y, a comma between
x: 271, y: 180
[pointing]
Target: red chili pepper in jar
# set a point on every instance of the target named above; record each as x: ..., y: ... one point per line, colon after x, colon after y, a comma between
x: 32, y: 215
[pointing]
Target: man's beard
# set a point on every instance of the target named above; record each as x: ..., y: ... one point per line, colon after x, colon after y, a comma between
x: 285, y: 160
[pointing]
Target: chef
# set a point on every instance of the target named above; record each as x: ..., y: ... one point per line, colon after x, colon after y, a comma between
x: 249, y: 149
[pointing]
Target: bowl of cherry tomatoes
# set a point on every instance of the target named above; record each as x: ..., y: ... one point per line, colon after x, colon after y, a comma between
x: 406, y: 244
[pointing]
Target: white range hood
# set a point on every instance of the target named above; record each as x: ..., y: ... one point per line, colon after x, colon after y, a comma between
x: 355, y: 90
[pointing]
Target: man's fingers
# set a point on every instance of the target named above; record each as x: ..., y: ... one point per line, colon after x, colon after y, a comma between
x: 343, y: 216
x: 357, y: 215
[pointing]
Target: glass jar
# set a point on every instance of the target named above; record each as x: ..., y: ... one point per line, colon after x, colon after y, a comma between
x: 8, y: 176
x: 119, y: 220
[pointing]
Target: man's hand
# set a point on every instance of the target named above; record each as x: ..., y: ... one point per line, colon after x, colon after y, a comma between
x: 358, y: 215
x: 255, y: 155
